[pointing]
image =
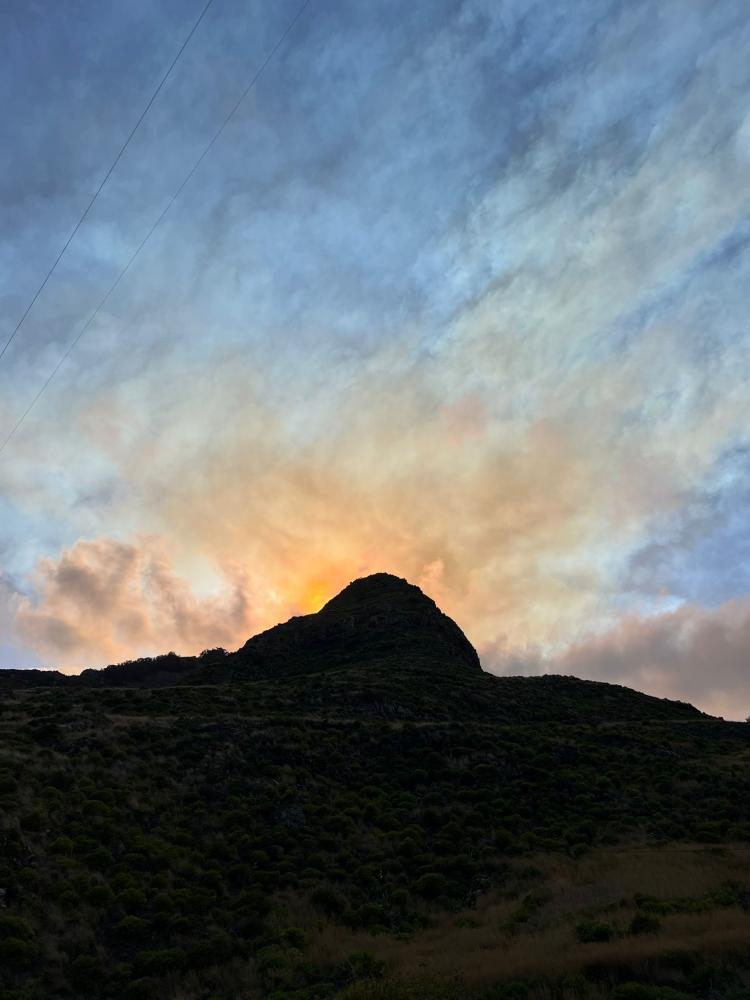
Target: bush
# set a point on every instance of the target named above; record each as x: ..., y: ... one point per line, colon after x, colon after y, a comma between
x: 15, y: 927
x: 131, y: 899
x: 213, y: 951
x: 593, y: 931
x: 369, y: 916
x: 277, y: 966
x: 100, y: 895
x: 32, y: 822
x: 85, y: 970
x: 328, y: 900
x: 62, y: 845
x: 159, y: 961
x: 644, y: 923
x: 431, y: 885
x: 363, y: 965
x: 132, y: 927
x: 270, y: 959
x: 509, y: 991
x: 15, y: 953
x: 294, y: 937
x: 639, y: 991
x: 139, y: 989
x: 406, y: 989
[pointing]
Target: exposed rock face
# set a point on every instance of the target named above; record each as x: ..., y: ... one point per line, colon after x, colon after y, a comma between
x: 380, y: 618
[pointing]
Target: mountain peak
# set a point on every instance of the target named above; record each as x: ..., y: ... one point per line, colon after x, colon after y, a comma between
x: 376, y: 619
x: 377, y: 588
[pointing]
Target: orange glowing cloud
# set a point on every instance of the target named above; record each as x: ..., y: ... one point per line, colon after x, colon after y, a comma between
x: 104, y: 601
x: 500, y: 533
x: 515, y: 521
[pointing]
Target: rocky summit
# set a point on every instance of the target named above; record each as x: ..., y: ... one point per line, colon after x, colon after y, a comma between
x: 377, y: 619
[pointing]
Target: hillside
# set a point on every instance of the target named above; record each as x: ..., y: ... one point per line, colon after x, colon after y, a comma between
x: 381, y: 648
x: 322, y: 814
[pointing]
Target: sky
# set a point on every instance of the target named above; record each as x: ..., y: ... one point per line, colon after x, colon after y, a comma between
x: 460, y: 293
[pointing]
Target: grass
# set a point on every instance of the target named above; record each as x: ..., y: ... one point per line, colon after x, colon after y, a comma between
x: 600, y: 886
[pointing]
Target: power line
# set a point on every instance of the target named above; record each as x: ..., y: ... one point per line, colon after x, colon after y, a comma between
x: 107, y: 176
x: 209, y: 146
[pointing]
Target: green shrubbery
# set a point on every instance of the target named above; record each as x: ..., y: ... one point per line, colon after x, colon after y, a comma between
x: 154, y: 836
x: 644, y: 923
x: 592, y: 931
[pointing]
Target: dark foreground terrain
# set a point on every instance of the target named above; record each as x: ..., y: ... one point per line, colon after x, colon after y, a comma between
x: 349, y: 807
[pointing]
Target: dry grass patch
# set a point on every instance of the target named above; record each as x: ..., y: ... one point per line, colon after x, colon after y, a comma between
x: 479, y: 945
x: 483, y: 955
x: 605, y: 878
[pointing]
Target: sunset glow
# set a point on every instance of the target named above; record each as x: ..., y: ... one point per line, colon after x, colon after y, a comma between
x: 445, y: 300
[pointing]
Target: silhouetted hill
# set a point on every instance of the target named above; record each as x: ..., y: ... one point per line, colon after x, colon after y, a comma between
x: 378, y: 620
x: 242, y: 825
x: 379, y: 649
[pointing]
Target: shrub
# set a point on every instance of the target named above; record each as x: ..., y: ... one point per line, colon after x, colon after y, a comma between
x: 639, y: 991
x: 15, y: 927
x: 328, y: 900
x: 508, y: 991
x: 214, y: 950
x: 216, y: 653
x: 406, y: 989
x: 132, y: 927
x: 294, y: 937
x: 270, y: 959
x: 276, y: 965
x: 131, y: 899
x: 99, y: 895
x: 139, y: 989
x: 644, y: 923
x: 16, y: 953
x: 32, y: 822
x: 159, y: 961
x: 62, y: 845
x: 431, y: 885
x: 593, y: 931
x: 371, y: 916
x: 363, y: 965
x: 400, y: 898
x: 85, y: 970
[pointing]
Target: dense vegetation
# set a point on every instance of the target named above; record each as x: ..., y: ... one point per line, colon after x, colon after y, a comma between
x: 159, y: 841
x: 310, y: 836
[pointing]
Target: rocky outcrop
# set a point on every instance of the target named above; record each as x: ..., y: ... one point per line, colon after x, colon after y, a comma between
x: 377, y: 619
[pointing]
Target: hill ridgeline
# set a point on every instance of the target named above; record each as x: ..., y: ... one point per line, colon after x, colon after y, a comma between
x: 381, y: 648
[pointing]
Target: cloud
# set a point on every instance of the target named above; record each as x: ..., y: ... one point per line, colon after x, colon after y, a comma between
x: 104, y: 601
x: 390, y: 484
x: 520, y: 524
x: 694, y: 654
x: 454, y: 303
